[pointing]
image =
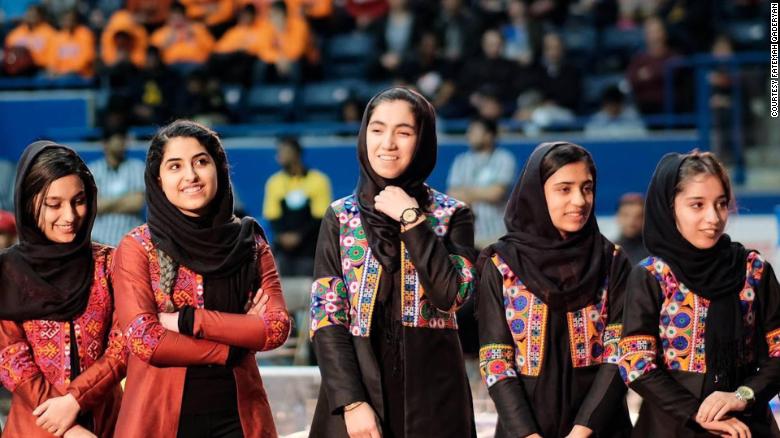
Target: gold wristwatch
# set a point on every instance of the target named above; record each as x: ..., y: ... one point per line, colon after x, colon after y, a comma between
x: 745, y: 394
x: 410, y: 216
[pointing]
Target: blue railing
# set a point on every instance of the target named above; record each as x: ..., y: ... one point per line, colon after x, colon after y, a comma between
x: 702, y: 65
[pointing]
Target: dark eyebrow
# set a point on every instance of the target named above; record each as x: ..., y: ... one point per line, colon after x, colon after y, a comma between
x: 59, y: 198
x: 400, y: 125
x: 172, y: 159
x: 201, y: 154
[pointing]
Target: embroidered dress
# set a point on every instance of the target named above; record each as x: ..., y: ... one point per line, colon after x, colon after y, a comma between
x: 548, y: 370
x: 390, y: 338
x: 159, y: 361
x: 663, y: 353
x: 35, y: 360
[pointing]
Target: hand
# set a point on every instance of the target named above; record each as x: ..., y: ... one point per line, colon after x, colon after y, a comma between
x: 258, y: 303
x: 717, y: 405
x: 170, y: 321
x: 580, y: 431
x: 79, y: 432
x: 56, y: 415
x: 392, y: 201
x: 361, y: 422
x: 289, y: 240
x: 730, y: 427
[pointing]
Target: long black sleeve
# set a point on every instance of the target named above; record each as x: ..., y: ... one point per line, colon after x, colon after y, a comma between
x: 608, y: 389
x: 333, y: 342
x: 440, y: 263
x: 766, y: 383
x: 639, y: 350
x: 497, y: 353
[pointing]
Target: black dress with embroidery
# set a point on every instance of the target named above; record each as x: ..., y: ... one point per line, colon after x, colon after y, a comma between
x: 664, y: 353
x: 554, y: 397
x: 413, y: 377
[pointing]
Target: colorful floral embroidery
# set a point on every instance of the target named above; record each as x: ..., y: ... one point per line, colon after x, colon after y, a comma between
x: 361, y: 271
x: 50, y: 342
x: 16, y: 365
x: 277, y: 329
x: 143, y: 335
x: 773, y: 341
x: 117, y: 347
x: 416, y: 310
x: 754, y: 272
x: 586, y: 327
x: 612, y: 335
x: 496, y: 363
x: 329, y: 304
x: 682, y: 323
x: 466, y: 275
x: 527, y: 318
x: 637, y: 357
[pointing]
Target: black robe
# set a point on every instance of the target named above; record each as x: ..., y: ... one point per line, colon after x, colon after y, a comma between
x: 413, y: 378
x: 561, y: 395
x: 671, y: 397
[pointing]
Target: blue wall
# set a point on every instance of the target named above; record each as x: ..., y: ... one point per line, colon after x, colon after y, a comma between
x: 24, y: 120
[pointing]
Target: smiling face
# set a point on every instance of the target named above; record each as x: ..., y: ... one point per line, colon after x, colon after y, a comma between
x: 701, y: 210
x: 391, y: 138
x: 63, y: 209
x: 188, y: 175
x: 569, y: 195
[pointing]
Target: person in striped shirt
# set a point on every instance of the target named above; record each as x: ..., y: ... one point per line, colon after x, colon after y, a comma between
x: 120, y: 181
x: 482, y: 178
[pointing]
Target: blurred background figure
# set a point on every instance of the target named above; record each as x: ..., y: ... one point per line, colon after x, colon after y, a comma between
x: 183, y: 43
x: 28, y: 43
x: 120, y: 182
x: 7, y: 177
x: 296, y: 198
x: 629, y: 217
x: 72, y: 49
x: 615, y: 118
x: 283, y: 38
x: 7, y: 229
x: 646, y: 70
x: 482, y: 178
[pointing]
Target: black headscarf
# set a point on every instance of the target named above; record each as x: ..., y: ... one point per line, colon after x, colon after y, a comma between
x: 41, y: 279
x: 566, y: 274
x: 383, y: 232
x: 217, y: 245
x: 716, y: 274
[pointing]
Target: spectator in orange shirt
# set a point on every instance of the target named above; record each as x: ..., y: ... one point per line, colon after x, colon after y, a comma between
x: 152, y: 13
x: 216, y: 14
x: 237, y: 48
x: 316, y: 9
x: 111, y: 44
x: 72, y: 50
x: 34, y: 34
x: 181, y: 40
x: 283, y: 42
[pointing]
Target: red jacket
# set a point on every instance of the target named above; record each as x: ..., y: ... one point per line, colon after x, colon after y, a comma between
x: 35, y: 360
x: 158, y: 364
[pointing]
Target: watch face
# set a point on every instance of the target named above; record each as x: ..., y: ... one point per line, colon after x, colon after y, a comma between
x: 409, y: 215
x: 745, y: 393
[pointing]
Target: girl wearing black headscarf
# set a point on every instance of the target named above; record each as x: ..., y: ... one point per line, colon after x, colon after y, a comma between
x: 550, y: 305
x: 197, y: 295
x: 702, y: 321
x: 393, y: 264
x: 58, y: 352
